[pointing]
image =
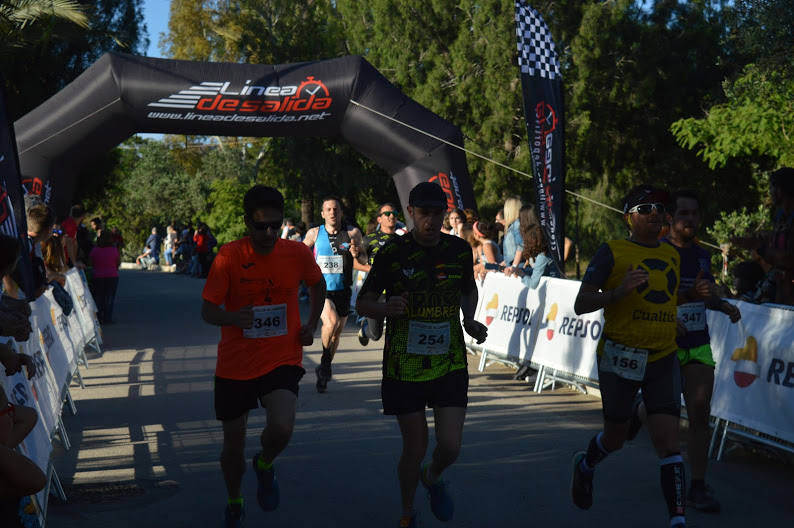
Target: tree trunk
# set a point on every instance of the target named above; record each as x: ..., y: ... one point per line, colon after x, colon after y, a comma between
x: 307, y: 207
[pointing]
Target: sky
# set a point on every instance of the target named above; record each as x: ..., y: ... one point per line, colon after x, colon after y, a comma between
x: 155, y: 14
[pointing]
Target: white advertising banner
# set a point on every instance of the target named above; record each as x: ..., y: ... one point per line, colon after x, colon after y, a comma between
x: 54, y: 328
x: 754, y: 377
x: 511, y: 311
x: 566, y: 341
x: 44, y: 388
x: 83, y: 303
x: 37, y: 445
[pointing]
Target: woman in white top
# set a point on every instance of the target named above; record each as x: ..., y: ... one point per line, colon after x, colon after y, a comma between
x: 169, y: 244
x: 457, y: 219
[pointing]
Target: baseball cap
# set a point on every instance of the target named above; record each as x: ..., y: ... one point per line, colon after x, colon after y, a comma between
x: 428, y: 194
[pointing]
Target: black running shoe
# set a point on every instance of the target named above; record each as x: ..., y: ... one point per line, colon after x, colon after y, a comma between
x: 322, y: 379
x: 703, y: 499
x: 635, y: 424
x: 362, y: 335
x: 581, y: 483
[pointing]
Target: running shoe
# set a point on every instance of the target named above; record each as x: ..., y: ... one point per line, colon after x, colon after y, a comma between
x: 581, y: 483
x: 233, y: 516
x: 322, y: 379
x: 703, y: 499
x: 267, y: 493
x: 635, y: 424
x: 362, y: 335
x: 375, y: 330
x: 440, y: 502
x: 409, y: 522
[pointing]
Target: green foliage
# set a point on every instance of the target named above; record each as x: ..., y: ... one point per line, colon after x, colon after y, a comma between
x: 226, y: 209
x: 38, y: 59
x: 757, y: 120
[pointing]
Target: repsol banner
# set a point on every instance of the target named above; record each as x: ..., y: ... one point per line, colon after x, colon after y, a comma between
x: 120, y: 95
x: 754, y: 376
x: 543, y: 111
x: 511, y: 312
x: 566, y: 341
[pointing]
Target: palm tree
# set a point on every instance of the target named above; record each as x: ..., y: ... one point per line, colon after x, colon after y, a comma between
x: 17, y: 15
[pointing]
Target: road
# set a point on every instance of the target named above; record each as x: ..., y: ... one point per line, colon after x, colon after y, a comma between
x: 146, y: 444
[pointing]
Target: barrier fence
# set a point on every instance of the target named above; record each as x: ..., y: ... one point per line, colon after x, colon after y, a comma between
x: 57, y: 346
x: 754, y: 376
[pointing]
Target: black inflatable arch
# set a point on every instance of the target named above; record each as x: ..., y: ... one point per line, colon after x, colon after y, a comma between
x: 121, y: 95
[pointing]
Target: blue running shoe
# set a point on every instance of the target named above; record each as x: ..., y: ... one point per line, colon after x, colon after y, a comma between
x: 233, y: 516
x: 440, y: 502
x: 267, y: 493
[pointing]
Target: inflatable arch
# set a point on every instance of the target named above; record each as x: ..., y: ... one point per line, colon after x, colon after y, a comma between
x: 121, y: 95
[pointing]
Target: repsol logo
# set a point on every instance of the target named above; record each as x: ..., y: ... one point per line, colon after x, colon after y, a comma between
x: 575, y: 327
x: 781, y: 373
x: 518, y: 315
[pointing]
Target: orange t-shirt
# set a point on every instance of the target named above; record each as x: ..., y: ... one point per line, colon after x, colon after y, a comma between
x: 239, y: 277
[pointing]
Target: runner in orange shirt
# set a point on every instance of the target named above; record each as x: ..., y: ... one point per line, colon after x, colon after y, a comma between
x: 256, y: 280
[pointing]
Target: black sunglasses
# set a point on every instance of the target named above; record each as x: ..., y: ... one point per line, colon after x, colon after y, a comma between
x: 646, y: 208
x: 262, y: 226
x: 388, y: 213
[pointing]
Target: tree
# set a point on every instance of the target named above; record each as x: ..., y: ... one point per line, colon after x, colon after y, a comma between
x: 43, y: 57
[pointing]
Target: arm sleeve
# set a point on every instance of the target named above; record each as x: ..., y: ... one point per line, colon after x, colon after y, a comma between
x: 538, y: 270
x: 600, y: 267
x: 467, y: 269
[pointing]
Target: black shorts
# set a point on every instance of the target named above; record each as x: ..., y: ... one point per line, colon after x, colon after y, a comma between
x: 341, y: 299
x: 233, y: 398
x: 661, y: 390
x: 403, y: 397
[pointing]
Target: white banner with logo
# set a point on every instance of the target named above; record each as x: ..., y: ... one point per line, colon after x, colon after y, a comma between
x: 566, y: 341
x: 754, y: 377
x: 37, y: 445
x: 54, y: 327
x: 83, y: 303
x: 510, y: 310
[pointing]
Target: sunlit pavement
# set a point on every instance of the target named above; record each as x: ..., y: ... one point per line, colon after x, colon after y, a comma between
x: 146, y: 444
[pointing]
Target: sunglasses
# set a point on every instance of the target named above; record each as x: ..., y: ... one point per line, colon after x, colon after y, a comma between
x: 9, y: 410
x: 388, y: 213
x: 262, y: 226
x: 646, y: 208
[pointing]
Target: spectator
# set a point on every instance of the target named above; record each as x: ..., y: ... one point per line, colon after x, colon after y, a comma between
x: 470, y: 216
x: 69, y: 227
x: 14, y: 313
x: 118, y: 239
x: 536, y: 249
x: 776, y: 248
x: 467, y: 234
x: 202, y: 249
x: 96, y: 226
x: 105, y: 260
x: 511, y: 243
x: 19, y: 476
x: 54, y: 255
x: 287, y: 228
x: 299, y: 232
x: 153, y: 243
x: 489, y: 253
x: 40, y: 224
x: 457, y: 218
x: 499, y: 221
x: 169, y: 244
x: 145, y: 260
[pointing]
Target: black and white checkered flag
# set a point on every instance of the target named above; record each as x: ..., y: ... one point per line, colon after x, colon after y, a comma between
x: 536, y: 53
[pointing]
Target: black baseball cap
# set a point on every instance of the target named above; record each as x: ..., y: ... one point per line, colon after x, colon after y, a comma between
x: 428, y: 194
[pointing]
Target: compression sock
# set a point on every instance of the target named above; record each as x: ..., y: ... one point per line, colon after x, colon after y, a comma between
x: 325, y: 361
x: 595, y: 453
x: 673, y: 481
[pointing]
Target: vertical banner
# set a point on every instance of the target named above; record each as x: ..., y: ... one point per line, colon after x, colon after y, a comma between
x: 12, y: 204
x: 543, y: 111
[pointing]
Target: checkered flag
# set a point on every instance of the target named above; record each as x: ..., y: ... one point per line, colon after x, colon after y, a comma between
x: 536, y: 53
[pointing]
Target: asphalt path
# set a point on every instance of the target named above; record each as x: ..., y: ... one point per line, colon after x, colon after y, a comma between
x: 145, y: 443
